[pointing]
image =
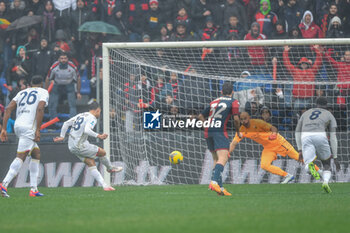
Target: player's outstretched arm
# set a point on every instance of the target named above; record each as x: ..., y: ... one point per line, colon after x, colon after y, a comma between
x: 12, y: 106
x: 58, y: 139
x: 39, y: 119
x: 64, y: 129
x: 89, y: 131
x: 334, y: 147
x: 233, y: 146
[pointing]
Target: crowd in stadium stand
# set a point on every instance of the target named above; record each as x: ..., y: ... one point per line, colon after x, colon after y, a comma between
x: 36, y: 49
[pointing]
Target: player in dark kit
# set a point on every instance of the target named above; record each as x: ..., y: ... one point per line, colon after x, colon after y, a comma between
x: 220, y: 110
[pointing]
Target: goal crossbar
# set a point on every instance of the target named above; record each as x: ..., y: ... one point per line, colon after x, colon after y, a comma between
x: 236, y: 43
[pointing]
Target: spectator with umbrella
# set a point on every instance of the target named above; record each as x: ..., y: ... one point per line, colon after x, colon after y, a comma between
x: 99, y: 27
x: 16, y: 12
x: 119, y: 20
x: 98, y: 31
x: 20, y: 30
x: 24, y: 21
x: 78, y: 18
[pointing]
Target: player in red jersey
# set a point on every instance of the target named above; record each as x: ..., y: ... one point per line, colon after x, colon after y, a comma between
x: 220, y: 110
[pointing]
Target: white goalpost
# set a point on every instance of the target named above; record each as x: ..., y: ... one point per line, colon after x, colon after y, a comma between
x: 280, y: 78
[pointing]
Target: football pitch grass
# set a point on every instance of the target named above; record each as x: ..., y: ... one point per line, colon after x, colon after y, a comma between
x: 295, y: 208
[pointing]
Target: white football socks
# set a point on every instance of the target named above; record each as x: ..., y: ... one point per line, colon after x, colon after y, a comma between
x: 105, y: 161
x: 320, y: 171
x: 34, y: 173
x: 97, y: 175
x: 13, y: 171
x: 326, y: 176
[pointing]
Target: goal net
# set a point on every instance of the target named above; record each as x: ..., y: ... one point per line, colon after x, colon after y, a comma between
x: 150, y: 88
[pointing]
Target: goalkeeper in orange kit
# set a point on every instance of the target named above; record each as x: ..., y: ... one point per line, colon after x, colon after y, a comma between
x: 273, y: 143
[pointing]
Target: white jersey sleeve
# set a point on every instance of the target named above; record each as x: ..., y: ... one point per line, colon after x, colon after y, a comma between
x: 89, y: 126
x: 333, y: 123
x: 16, y: 98
x: 333, y: 136
x: 44, y: 96
x: 334, y: 144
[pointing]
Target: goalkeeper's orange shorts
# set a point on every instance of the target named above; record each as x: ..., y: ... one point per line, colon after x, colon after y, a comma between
x: 269, y: 154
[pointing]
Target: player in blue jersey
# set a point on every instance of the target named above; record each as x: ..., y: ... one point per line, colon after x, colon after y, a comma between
x: 220, y: 110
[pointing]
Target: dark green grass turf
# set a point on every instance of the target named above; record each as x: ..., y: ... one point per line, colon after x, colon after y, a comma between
x: 295, y: 208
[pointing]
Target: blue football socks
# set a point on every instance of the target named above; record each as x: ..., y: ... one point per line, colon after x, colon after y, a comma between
x: 217, y: 174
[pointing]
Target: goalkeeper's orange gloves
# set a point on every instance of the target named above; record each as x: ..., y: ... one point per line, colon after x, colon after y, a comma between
x: 273, y: 136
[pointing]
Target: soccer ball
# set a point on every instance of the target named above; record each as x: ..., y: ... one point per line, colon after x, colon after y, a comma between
x: 175, y: 157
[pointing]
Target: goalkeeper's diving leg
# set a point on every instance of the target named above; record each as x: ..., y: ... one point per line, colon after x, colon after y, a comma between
x: 267, y: 157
